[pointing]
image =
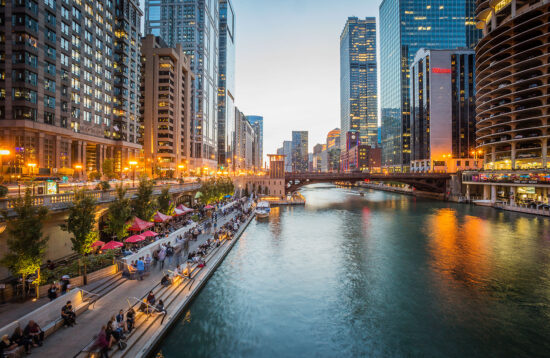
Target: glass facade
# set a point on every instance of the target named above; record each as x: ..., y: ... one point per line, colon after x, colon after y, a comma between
x: 300, y: 159
x: 259, y: 121
x: 405, y: 27
x: 193, y: 24
x: 226, y: 86
x: 442, y: 107
x: 358, y: 80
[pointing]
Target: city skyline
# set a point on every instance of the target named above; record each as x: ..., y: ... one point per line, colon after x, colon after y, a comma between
x: 301, y: 105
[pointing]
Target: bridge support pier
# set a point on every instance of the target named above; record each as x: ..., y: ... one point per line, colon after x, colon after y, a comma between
x: 486, y: 192
x: 493, y: 193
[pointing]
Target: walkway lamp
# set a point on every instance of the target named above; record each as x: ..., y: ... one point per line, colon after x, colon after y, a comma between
x: 133, y: 164
x: 3, y: 152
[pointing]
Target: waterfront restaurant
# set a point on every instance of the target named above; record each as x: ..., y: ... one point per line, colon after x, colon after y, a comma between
x: 514, y: 188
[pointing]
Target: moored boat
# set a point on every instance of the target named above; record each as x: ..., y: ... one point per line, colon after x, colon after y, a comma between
x: 262, y: 210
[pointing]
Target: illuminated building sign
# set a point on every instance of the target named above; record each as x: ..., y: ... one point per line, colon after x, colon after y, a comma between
x: 440, y: 70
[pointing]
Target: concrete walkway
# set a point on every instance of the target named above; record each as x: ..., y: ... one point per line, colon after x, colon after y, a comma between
x: 67, y: 342
x: 11, y: 311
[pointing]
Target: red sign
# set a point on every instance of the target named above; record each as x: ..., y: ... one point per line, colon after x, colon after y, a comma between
x: 440, y: 70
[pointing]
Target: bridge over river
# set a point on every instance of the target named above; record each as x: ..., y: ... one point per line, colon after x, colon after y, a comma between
x: 431, y: 182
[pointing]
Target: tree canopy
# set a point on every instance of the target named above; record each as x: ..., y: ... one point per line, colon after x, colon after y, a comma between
x: 81, y: 222
x: 164, y: 201
x: 26, y: 242
x: 214, y: 189
x: 120, y: 211
x: 144, y: 205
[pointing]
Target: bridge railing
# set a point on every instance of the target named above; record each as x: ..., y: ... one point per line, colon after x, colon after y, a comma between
x: 63, y: 200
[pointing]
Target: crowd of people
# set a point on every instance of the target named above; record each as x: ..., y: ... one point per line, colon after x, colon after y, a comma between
x: 114, y: 332
x: 28, y: 338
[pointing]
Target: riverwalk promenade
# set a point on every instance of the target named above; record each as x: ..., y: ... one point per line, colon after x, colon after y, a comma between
x: 70, y: 342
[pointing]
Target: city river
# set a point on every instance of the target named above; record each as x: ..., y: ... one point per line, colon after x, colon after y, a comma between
x: 381, y: 275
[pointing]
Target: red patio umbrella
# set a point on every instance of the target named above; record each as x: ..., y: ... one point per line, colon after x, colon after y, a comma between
x: 178, y: 212
x: 140, y: 225
x: 135, y: 238
x: 161, y: 218
x: 184, y: 208
x: 208, y: 207
x: 149, y: 233
x: 111, y: 245
x: 98, y: 243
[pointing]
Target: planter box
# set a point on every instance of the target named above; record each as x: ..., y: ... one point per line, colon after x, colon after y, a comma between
x: 104, y: 272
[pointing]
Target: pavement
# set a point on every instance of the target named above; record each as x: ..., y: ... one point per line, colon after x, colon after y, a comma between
x: 71, y: 340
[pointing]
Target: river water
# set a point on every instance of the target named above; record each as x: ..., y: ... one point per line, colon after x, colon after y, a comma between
x: 381, y: 275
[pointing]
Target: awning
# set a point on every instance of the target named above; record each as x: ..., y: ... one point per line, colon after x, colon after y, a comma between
x: 135, y: 238
x: 161, y: 218
x: 140, y: 225
x: 184, y: 208
x: 111, y: 245
x: 149, y: 233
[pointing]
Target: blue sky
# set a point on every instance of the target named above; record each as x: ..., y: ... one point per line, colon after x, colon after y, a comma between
x: 288, y: 64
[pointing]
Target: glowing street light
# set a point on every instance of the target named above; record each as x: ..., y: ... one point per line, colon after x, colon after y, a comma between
x: 2, y: 153
x: 133, y: 164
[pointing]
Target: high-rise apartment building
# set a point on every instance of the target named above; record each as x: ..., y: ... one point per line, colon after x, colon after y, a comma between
x: 257, y: 126
x: 300, y: 157
x: 358, y: 79
x: 69, y: 94
x: 246, y: 143
x: 287, y: 152
x: 442, y: 110
x: 513, y: 77
x: 405, y: 27
x: 333, y: 138
x: 226, y: 85
x: 166, y: 100
x: 194, y: 24
x: 259, y: 121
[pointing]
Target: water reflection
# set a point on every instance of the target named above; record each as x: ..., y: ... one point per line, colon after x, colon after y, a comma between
x: 382, y: 275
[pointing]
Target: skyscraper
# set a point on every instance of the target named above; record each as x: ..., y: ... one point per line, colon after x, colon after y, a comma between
x: 358, y: 79
x: 405, y: 27
x: 299, y: 151
x: 166, y: 107
x: 226, y: 85
x: 194, y: 24
x: 259, y: 121
x: 287, y: 152
x: 69, y: 85
x: 442, y: 110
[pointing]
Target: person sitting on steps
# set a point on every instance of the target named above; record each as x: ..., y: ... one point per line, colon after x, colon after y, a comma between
x: 68, y: 315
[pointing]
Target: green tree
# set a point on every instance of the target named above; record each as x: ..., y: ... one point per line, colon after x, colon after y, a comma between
x: 103, y: 185
x: 26, y: 242
x: 120, y: 211
x: 3, y: 191
x: 108, y: 167
x: 144, y: 205
x: 81, y: 222
x: 94, y: 176
x: 164, y: 201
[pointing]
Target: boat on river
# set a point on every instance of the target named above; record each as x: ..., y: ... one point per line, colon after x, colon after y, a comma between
x: 262, y: 210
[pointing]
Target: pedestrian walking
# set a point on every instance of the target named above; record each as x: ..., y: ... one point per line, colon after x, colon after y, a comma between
x: 140, y: 268
x: 161, y: 257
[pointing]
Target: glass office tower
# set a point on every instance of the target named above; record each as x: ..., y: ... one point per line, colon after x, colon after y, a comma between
x: 226, y: 86
x: 299, y: 151
x: 405, y: 27
x: 259, y: 121
x: 358, y: 80
x: 193, y: 24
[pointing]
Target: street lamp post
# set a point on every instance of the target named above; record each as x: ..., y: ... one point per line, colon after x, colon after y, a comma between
x: 2, y: 153
x: 133, y: 164
x: 79, y: 168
